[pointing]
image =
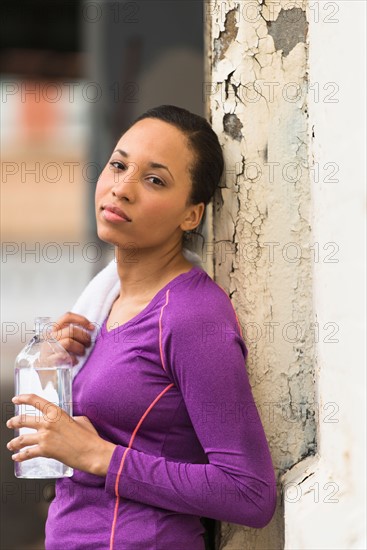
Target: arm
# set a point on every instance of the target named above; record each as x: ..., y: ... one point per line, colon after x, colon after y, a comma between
x: 238, y: 484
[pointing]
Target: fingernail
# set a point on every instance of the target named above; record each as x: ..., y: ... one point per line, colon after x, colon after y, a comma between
x: 15, y: 399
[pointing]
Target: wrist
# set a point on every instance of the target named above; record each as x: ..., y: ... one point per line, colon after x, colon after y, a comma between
x: 103, y: 459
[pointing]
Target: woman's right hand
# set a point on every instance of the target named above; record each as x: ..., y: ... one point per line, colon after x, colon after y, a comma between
x: 73, y: 331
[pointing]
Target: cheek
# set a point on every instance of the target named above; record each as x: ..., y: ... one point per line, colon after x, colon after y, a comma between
x: 97, y: 193
x: 100, y: 188
x: 165, y: 212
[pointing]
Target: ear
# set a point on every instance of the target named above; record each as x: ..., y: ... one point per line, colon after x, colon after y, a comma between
x: 193, y: 216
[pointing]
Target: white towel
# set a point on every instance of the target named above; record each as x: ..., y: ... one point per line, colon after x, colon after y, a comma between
x: 98, y: 296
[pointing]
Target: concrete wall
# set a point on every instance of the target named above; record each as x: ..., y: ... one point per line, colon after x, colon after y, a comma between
x: 326, y: 501
x: 272, y: 229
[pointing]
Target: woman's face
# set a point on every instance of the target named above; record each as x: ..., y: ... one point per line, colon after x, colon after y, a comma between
x: 152, y: 196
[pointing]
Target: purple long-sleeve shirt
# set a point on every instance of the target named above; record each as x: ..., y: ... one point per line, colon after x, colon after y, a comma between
x: 170, y: 389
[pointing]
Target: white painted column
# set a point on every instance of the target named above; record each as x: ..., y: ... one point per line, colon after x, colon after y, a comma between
x: 327, y: 509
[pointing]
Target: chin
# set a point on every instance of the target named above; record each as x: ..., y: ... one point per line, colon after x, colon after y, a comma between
x: 110, y: 237
x: 106, y: 235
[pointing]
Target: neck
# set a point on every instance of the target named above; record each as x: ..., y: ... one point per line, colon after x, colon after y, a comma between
x: 142, y: 273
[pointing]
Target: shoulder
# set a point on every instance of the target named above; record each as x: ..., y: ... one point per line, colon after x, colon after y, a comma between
x: 199, y: 329
x: 196, y: 300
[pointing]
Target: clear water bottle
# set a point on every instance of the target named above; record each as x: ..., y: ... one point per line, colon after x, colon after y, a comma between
x: 44, y: 368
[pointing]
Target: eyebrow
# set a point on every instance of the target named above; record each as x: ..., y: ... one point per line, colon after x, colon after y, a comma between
x: 151, y: 164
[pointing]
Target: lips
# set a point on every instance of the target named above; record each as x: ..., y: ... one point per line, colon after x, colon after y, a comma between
x: 117, y: 211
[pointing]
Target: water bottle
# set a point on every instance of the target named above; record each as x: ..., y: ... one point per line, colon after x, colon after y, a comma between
x: 44, y: 368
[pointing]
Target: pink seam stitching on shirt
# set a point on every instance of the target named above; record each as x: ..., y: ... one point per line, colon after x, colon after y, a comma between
x: 123, y: 460
x: 238, y: 323
x: 117, y: 502
x: 160, y: 330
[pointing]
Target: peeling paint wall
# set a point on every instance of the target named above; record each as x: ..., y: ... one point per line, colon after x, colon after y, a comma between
x: 256, y: 95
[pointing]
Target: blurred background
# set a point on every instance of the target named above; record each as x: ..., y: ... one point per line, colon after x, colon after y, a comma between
x: 73, y: 76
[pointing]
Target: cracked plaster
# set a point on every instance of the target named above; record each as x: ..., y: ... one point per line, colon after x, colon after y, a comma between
x: 259, y: 111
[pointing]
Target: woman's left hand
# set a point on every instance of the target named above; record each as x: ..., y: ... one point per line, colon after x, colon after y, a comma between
x: 71, y: 440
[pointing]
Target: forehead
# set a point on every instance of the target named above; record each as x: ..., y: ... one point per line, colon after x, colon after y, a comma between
x: 157, y: 141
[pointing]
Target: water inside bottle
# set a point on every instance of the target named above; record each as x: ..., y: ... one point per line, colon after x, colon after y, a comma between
x: 53, y: 384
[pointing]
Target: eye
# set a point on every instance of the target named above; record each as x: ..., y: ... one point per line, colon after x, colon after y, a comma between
x: 117, y: 164
x: 161, y: 183
x: 121, y: 166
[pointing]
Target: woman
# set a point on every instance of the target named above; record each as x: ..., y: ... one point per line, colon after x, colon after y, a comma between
x: 165, y: 429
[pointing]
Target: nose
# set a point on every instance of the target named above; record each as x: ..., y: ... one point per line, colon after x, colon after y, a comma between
x: 124, y: 184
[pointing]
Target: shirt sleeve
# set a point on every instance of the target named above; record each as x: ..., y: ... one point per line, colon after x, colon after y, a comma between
x: 205, y: 356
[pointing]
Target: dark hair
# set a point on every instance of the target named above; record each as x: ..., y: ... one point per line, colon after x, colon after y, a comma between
x: 208, y: 167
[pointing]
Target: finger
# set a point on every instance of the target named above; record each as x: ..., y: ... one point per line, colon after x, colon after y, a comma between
x: 74, y: 359
x: 27, y: 454
x: 24, y: 421
x: 49, y: 410
x: 73, y: 332
x: 80, y: 333
x: 71, y: 317
x: 73, y: 347
x: 22, y: 441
